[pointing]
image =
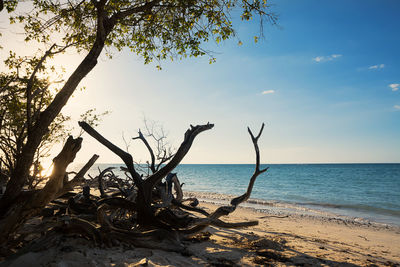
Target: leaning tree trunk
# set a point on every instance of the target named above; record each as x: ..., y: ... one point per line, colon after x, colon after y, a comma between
x: 104, y: 26
x: 31, y: 203
x: 40, y: 128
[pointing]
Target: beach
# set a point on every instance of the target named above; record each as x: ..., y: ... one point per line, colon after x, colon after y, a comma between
x: 305, y: 240
x: 278, y: 240
x: 199, y: 133
x: 295, y: 227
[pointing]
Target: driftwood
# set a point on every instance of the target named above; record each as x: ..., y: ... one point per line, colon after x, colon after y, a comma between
x: 154, y: 206
x: 146, y: 211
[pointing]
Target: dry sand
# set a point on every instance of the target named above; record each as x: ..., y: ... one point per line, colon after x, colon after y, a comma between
x: 285, y: 241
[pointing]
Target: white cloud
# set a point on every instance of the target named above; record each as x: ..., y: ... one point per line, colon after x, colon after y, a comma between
x: 266, y: 92
x: 397, y: 107
x: 394, y: 86
x: 326, y: 58
x: 318, y: 59
x: 375, y: 67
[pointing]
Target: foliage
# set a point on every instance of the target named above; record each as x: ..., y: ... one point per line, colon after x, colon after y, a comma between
x: 19, y: 109
x: 92, y: 118
x: 10, y: 5
x: 26, y: 91
x: 155, y: 30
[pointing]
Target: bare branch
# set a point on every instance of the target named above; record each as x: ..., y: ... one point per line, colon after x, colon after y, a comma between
x: 100, y: 181
x: 257, y: 171
x: 153, y: 159
x: 126, y: 157
x: 184, y: 148
x: 212, y: 219
x: 79, y: 176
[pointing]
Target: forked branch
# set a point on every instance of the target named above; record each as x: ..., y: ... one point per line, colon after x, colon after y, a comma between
x: 213, y: 218
x: 79, y: 177
x: 184, y: 148
x: 153, y: 158
x: 126, y: 157
x: 236, y: 201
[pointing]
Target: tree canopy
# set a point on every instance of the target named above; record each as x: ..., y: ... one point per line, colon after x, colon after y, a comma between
x: 155, y: 30
x: 25, y: 91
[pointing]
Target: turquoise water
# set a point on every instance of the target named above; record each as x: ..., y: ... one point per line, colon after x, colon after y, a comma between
x: 370, y: 191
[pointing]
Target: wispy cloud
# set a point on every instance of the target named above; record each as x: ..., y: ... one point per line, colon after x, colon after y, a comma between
x: 267, y: 92
x: 326, y: 58
x: 394, y: 86
x: 396, y: 107
x: 376, y: 67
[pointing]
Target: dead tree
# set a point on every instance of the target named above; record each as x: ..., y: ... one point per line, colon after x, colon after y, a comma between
x: 135, y: 215
x: 172, y: 220
x: 162, y: 152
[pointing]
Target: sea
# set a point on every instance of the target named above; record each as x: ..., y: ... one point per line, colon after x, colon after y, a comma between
x: 364, y: 192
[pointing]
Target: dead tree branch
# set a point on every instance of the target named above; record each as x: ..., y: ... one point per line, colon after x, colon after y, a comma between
x: 136, y: 217
x: 152, y: 157
x: 212, y: 219
x: 79, y: 177
x: 126, y: 157
x: 183, y: 149
x: 101, y: 182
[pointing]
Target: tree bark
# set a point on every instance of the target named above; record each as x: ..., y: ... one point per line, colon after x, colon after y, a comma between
x: 31, y: 204
x: 145, y: 212
x: 25, y: 158
x: 69, y: 185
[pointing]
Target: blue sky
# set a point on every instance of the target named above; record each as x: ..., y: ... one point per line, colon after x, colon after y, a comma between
x: 325, y: 82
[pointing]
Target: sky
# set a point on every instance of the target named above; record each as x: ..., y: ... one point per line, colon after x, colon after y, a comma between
x: 326, y: 82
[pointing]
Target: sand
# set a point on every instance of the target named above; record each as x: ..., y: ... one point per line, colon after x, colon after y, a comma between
x: 289, y: 240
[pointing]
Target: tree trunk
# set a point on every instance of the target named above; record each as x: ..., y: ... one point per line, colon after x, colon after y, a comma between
x: 33, y: 202
x: 40, y: 128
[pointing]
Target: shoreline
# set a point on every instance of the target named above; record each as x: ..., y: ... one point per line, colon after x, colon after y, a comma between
x: 280, y: 208
x: 366, y: 193
x: 290, y: 240
x: 319, y: 239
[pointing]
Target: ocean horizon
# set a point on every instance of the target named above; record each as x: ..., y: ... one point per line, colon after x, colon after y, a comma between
x: 368, y: 191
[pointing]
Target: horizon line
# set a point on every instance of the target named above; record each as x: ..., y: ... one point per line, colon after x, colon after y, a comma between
x: 293, y: 163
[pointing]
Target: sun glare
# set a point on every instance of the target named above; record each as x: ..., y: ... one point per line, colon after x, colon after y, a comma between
x: 47, y: 170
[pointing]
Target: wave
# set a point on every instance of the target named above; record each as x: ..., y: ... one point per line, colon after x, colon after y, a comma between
x: 355, y: 207
x: 359, y: 213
